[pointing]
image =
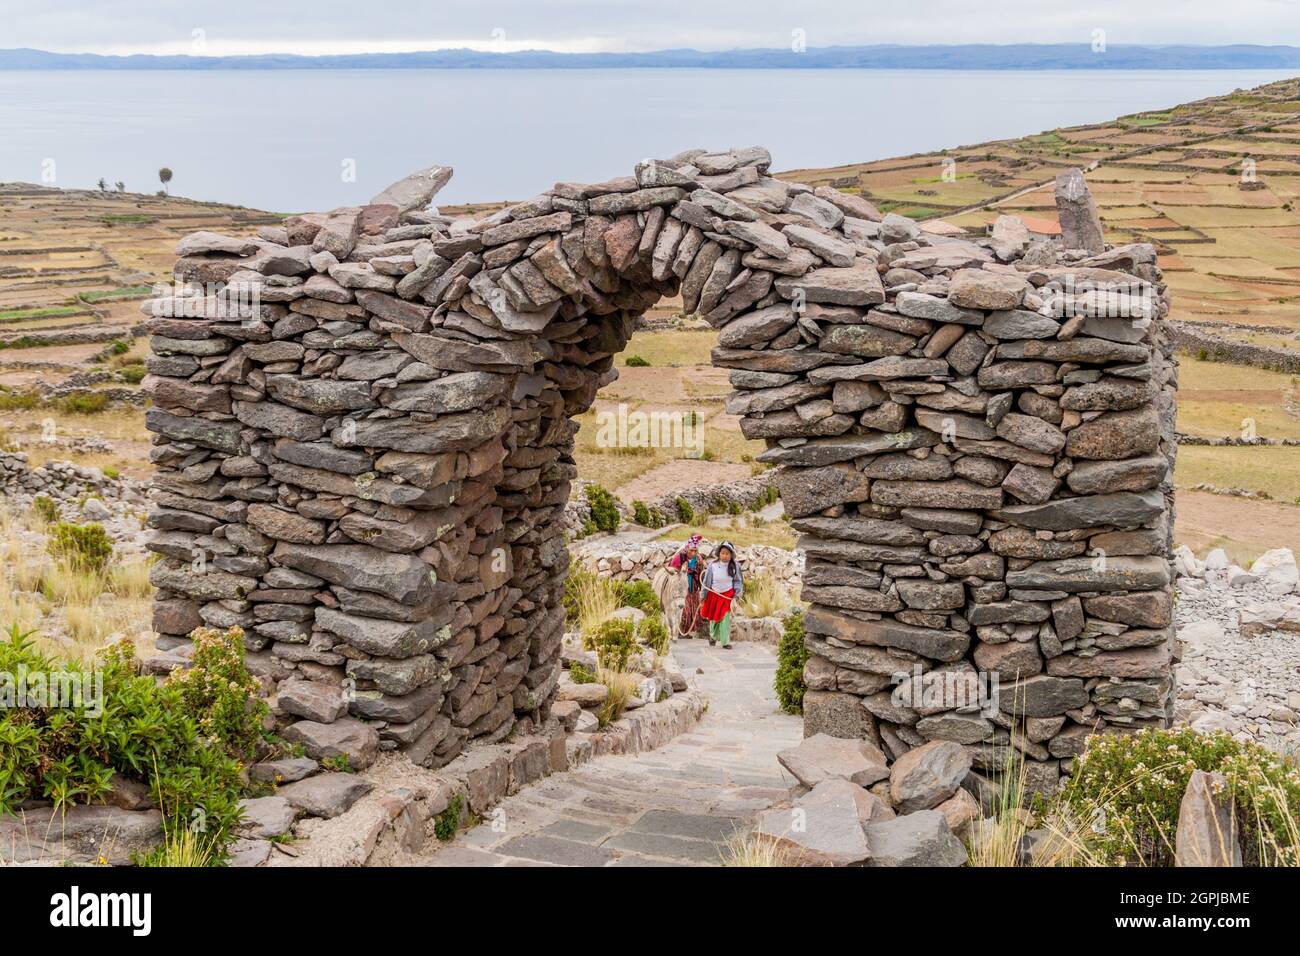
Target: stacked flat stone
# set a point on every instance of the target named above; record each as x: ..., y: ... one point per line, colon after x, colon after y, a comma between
x: 369, y: 473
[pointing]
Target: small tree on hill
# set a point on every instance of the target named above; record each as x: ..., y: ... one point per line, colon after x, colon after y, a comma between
x: 164, y: 176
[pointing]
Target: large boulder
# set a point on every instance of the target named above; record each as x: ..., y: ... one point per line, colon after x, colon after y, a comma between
x: 922, y: 838
x: 1207, y: 826
x: 79, y: 834
x: 327, y: 794
x: 1077, y: 211
x: 928, y: 775
x: 823, y: 757
x: 1277, y: 570
x: 825, y: 826
x: 348, y: 738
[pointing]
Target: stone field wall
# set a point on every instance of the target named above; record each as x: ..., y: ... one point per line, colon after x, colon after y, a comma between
x: 367, y: 468
x: 639, y: 562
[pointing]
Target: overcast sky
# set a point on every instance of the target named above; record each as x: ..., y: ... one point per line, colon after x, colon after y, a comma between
x: 354, y: 26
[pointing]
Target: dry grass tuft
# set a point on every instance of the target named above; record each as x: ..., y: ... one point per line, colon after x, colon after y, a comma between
x: 745, y: 849
x: 622, y: 688
x: 764, y: 596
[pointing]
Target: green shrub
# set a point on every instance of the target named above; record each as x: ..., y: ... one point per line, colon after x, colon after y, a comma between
x: 447, y: 823
x: 133, y: 374
x: 653, y: 633
x: 24, y: 342
x: 46, y: 509
x: 791, y: 656
x: 579, y: 673
x: 136, y: 727
x: 647, y: 516
x: 614, y: 642
x: 119, y: 347
x: 219, y: 694
x: 604, y: 510
x: 111, y: 472
x: 636, y: 361
x: 639, y: 594
x: 86, y: 547
x: 685, y: 513
x: 1127, y: 789
x: 87, y: 403
x: 17, y: 401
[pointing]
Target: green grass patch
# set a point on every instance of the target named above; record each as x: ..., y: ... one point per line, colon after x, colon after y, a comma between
x: 910, y: 211
x: 22, y: 315
x: 130, y: 292
x: 23, y: 342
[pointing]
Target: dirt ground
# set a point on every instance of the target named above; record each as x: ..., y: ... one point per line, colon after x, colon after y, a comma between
x: 672, y: 476
x: 1243, y: 528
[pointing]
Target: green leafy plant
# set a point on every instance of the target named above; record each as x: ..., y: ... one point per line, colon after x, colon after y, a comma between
x: 130, y: 725
x: 87, y: 403
x: 1128, y: 788
x: 580, y: 673
x: 647, y: 516
x: 219, y: 693
x: 614, y: 642
x: 18, y: 401
x: 132, y: 374
x: 639, y: 594
x: 791, y: 655
x: 447, y: 823
x: 685, y: 513
x: 46, y: 509
x: 636, y: 361
x: 604, y: 509
x: 653, y: 633
x: 86, y: 547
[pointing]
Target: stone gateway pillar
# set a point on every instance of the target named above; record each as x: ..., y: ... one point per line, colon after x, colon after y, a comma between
x: 364, y: 439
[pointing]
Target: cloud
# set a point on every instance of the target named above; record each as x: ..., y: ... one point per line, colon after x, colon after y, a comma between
x: 344, y: 26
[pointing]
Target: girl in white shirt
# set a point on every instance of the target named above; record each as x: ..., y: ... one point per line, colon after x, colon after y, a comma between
x: 723, y: 583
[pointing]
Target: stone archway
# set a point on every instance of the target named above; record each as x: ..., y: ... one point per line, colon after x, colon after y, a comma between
x: 366, y: 467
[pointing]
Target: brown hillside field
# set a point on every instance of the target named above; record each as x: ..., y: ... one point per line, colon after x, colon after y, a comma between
x: 77, y: 264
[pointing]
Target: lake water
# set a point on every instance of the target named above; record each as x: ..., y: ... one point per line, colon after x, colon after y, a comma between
x: 305, y: 140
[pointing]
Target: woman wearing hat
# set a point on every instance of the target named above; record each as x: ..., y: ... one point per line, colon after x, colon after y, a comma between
x: 723, y: 583
x: 688, y: 560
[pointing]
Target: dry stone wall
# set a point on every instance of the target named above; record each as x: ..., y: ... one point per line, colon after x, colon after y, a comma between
x: 366, y: 466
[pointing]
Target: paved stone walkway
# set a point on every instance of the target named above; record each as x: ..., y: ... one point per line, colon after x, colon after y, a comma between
x: 675, y: 806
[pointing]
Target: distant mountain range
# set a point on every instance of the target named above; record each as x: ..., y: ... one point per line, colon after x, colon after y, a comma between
x: 1020, y: 56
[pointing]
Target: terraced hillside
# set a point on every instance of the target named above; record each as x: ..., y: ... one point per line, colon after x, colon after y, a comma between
x: 1212, y: 183
x: 75, y: 264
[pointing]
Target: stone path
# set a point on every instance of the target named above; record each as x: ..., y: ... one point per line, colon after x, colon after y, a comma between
x: 675, y: 806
